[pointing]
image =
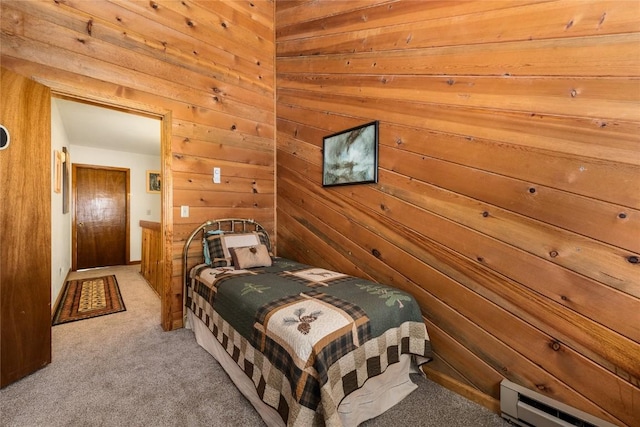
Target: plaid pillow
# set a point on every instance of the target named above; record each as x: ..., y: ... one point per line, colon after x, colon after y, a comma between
x: 264, y: 239
x: 213, y: 249
x: 215, y: 245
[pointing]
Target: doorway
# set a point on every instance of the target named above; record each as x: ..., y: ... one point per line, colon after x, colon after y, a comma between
x: 110, y: 138
x: 100, y: 230
x: 86, y: 150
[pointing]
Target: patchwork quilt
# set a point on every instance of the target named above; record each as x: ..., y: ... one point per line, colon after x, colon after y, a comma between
x: 306, y: 336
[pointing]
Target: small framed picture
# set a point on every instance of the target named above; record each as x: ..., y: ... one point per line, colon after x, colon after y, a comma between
x: 153, y: 181
x: 351, y: 156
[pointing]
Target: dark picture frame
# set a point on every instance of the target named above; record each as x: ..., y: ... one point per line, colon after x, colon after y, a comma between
x: 351, y: 156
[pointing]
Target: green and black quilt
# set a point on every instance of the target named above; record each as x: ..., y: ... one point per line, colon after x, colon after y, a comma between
x: 306, y: 336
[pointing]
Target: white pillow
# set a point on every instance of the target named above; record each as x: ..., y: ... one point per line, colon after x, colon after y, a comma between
x: 239, y: 241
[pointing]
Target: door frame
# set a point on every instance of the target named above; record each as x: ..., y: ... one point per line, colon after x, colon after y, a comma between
x: 166, y: 216
x: 74, y: 202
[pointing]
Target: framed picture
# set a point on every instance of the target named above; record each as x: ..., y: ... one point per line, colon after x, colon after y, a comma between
x: 351, y: 156
x: 153, y: 181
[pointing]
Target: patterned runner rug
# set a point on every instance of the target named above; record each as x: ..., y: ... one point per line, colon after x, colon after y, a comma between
x: 86, y: 298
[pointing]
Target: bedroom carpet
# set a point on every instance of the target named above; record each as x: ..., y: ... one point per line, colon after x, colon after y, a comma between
x: 122, y: 369
x: 89, y: 297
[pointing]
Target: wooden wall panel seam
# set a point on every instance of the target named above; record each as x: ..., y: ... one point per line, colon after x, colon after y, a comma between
x: 597, y: 56
x: 561, y: 96
x: 550, y: 20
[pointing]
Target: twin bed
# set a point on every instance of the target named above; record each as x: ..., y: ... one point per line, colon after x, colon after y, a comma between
x: 305, y: 345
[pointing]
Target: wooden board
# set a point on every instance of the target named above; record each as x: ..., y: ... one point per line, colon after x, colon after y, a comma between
x: 25, y: 228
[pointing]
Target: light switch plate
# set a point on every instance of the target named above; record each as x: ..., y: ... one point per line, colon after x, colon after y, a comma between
x: 184, y: 211
x: 216, y: 175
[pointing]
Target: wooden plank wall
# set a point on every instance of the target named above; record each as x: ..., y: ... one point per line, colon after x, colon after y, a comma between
x: 509, y: 175
x: 208, y: 65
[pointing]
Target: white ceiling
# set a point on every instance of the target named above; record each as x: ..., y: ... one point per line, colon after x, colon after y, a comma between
x: 109, y: 129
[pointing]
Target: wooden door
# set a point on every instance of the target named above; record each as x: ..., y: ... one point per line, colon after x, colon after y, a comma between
x: 101, y: 222
x: 25, y: 228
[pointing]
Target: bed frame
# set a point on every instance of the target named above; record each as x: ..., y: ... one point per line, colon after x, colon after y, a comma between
x: 228, y: 225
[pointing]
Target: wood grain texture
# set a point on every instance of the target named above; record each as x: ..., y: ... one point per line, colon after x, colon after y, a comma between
x: 413, y: 25
x: 100, y: 218
x: 509, y: 176
x: 25, y: 228
x: 508, y: 200
x: 151, y: 258
x: 206, y: 68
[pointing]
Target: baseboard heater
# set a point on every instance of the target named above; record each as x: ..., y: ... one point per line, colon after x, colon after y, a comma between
x: 528, y: 408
